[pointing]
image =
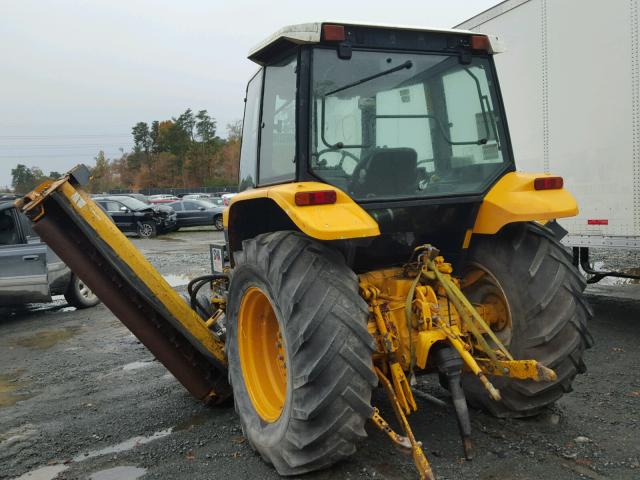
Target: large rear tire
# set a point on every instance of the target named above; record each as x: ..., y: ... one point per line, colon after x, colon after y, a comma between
x: 297, y: 320
x: 547, y: 311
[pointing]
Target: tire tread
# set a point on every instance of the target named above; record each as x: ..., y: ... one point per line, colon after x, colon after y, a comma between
x: 328, y: 345
x: 549, y: 289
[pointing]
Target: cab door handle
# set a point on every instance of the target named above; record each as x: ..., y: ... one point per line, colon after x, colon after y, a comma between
x: 30, y: 257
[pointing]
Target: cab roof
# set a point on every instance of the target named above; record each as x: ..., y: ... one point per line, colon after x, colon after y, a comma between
x: 311, y: 33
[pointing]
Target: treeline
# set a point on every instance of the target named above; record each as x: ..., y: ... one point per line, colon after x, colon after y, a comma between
x: 25, y: 179
x: 182, y: 152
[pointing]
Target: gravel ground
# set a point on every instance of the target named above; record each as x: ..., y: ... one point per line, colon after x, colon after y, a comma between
x: 80, y: 397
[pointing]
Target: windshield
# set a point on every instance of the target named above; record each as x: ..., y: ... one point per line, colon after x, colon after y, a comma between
x: 405, y: 125
x: 132, y: 203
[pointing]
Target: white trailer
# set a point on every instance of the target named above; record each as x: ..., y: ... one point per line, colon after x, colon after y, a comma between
x: 570, y: 79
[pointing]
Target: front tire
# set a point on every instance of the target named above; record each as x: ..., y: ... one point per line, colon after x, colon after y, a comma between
x: 217, y: 222
x: 147, y: 229
x: 548, y: 314
x: 79, y: 295
x: 296, y: 318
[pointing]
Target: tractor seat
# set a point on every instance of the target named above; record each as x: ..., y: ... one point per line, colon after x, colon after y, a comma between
x: 389, y: 171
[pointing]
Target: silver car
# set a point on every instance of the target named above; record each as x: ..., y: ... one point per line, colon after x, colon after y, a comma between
x: 30, y: 272
x: 195, y: 213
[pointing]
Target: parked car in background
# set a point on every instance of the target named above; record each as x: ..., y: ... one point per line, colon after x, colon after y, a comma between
x: 162, y: 198
x: 217, y: 201
x: 168, y: 217
x: 196, y: 213
x: 137, y: 196
x: 30, y: 272
x: 133, y: 216
x: 226, y: 197
x: 197, y: 196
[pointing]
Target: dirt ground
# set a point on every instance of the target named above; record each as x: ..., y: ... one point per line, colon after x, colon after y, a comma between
x: 80, y: 397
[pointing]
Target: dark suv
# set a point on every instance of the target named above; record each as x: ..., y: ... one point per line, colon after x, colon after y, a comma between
x: 30, y: 272
x: 132, y: 215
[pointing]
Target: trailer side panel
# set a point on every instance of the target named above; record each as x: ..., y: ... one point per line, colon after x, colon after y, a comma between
x: 570, y: 82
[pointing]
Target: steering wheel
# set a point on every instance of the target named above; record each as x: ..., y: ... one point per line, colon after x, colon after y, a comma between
x: 428, y: 178
x: 344, y: 155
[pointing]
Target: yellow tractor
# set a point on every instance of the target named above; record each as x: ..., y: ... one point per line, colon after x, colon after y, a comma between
x: 382, y: 233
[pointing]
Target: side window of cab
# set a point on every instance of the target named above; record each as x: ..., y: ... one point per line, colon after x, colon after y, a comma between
x: 268, y: 151
x: 278, y: 126
x: 250, y: 124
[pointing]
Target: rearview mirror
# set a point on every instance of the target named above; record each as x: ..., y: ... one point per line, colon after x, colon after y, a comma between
x: 124, y: 209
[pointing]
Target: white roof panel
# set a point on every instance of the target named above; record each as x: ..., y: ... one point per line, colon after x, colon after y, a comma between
x: 311, y: 33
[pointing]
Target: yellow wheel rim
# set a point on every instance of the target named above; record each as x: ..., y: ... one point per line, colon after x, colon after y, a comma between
x: 482, y: 288
x: 262, y: 355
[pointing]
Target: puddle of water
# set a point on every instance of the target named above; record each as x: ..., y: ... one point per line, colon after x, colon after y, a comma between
x: 46, y: 339
x: 18, y: 433
x: 43, y: 473
x: 136, y: 365
x: 170, y: 239
x: 9, y: 386
x: 119, y: 473
x: 194, y: 421
x: 31, y: 308
x: 176, y: 280
x: 123, y: 446
x: 57, y: 302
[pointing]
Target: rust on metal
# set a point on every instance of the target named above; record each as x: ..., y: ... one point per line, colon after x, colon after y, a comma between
x: 164, y: 342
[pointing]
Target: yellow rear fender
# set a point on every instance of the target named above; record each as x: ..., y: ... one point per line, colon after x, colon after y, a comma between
x: 274, y: 208
x: 514, y: 199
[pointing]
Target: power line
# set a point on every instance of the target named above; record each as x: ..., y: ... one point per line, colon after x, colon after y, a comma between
x: 72, y: 155
x: 68, y: 145
x: 100, y: 135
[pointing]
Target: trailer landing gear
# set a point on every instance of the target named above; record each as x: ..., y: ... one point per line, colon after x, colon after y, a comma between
x: 581, y: 259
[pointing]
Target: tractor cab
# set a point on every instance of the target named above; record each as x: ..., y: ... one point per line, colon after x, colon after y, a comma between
x: 408, y: 123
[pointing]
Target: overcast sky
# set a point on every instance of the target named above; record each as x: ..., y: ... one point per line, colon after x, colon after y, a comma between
x: 77, y: 75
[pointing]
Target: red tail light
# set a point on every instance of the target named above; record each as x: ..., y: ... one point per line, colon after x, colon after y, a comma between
x: 548, y: 183
x: 480, y: 42
x: 320, y: 197
x: 333, y: 33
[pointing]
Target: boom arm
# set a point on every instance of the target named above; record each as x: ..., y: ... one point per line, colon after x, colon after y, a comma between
x: 86, y: 239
